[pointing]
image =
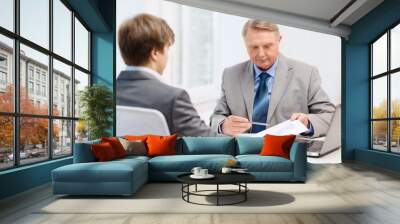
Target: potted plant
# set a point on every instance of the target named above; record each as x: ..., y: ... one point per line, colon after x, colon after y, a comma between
x: 96, y: 102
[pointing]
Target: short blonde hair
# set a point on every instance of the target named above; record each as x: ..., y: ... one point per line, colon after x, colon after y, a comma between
x: 139, y: 35
x: 259, y: 25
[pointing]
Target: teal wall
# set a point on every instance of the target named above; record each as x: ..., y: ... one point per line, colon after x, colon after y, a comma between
x: 381, y: 159
x: 355, y: 98
x: 24, y: 178
x: 103, y: 51
x: 103, y: 64
x: 99, y: 16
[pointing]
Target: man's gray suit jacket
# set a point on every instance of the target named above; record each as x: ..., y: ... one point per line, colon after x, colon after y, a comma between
x: 140, y: 89
x: 296, y: 89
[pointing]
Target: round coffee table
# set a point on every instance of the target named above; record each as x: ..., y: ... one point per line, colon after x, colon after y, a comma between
x: 238, y: 179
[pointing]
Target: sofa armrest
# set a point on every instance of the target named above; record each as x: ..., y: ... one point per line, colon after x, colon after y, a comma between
x: 83, y: 152
x: 298, y: 155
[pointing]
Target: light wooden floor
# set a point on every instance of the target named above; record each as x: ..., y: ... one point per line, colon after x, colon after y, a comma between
x: 379, y: 189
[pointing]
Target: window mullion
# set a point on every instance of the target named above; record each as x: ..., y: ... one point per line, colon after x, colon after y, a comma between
x: 371, y: 98
x: 16, y: 83
x: 50, y: 81
x: 73, y: 82
x: 389, y: 106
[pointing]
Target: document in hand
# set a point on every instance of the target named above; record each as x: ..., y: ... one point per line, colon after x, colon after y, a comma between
x: 288, y: 127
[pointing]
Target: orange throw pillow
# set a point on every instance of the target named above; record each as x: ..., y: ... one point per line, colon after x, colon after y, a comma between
x: 161, y: 145
x: 116, y: 145
x: 277, y: 145
x: 103, y: 152
x: 136, y: 137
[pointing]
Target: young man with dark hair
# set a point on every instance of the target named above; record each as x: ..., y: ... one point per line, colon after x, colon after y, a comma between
x: 144, y: 42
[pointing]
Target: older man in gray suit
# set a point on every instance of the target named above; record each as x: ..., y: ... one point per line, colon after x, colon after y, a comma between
x: 270, y: 88
x: 144, y: 42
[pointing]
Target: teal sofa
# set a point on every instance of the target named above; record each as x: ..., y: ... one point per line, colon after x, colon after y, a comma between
x: 125, y: 176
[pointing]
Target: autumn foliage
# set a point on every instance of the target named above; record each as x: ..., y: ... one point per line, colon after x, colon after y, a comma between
x: 380, y: 127
x: 33, y: 131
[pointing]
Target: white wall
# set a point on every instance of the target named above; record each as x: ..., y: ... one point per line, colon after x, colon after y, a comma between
x: 320, y: 50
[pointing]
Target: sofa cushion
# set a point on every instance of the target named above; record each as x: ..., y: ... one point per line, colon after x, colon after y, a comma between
x: 112, y: 171
x: 185, y: 163
x: 249, y: 145
x: 206, y: 145
x: 83, y: 152
x: 257, y: 163
x: 131, y: 158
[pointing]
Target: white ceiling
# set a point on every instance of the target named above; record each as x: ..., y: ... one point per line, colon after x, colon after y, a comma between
x: 326, y: 16
x: 321, y: 9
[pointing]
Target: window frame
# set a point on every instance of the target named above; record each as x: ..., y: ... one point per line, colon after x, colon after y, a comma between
x: 3, y: 71
x: 388, y: 74
x: 16, y: 114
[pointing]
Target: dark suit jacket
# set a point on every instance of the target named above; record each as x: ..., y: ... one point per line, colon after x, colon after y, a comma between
x: 139, y: 89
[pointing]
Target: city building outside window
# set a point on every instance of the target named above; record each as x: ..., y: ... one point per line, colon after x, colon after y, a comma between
x: 37, y: 75
x: 3, y: 61
x: 30, y: 87
x: 43, y: 90
x: 30, y: 72
x: 3, y: 78
x: 3, y: 72
x: 38, y: 89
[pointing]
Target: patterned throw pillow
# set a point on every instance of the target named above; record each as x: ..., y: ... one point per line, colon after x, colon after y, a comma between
x: 134, y: 147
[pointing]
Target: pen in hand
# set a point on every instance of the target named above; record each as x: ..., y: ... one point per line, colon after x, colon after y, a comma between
x: 259, y: 123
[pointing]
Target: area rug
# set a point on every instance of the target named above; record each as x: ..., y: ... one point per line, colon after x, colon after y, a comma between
x: 167, y: 198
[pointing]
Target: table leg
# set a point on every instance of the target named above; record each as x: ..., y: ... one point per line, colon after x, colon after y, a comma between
x: 217, y: 194
x: 196, y: 188
x: 182, y: 188
x: 245, y: 193
x: 188, y: 190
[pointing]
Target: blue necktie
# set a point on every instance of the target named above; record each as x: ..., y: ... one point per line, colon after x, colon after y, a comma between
x: 261, y: 101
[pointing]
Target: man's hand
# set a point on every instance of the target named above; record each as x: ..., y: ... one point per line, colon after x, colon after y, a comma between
x: 234, y: 125
x: 301, y: 117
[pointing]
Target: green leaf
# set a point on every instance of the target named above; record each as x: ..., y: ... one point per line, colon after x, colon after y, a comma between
x: 96, y: 102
